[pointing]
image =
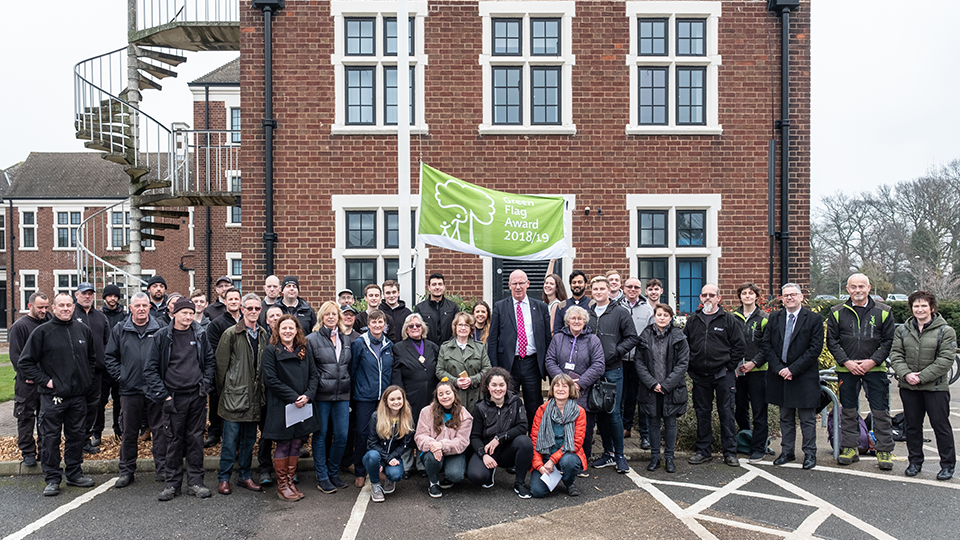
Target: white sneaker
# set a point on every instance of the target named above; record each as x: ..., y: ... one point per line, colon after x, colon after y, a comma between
x: 376, y: 494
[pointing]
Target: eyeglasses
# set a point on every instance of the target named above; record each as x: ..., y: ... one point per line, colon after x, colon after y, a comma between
x: 707, y: 295
x: 790, y: 295
x: 463, y: 325
x: 254, y: 308
x: 632, y: 287
x: 414, y: 325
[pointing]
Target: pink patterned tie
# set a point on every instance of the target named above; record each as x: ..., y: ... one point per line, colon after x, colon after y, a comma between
x: 521, y: 333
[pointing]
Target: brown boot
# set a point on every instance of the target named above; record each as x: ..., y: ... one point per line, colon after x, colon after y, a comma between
x: 284, y: 481
x: 292, y: 462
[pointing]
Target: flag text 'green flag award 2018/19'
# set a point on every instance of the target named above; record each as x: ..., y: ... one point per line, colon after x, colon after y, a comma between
x: 464, y: 217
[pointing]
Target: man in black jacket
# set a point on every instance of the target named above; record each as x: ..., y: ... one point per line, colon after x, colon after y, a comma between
x: 214, y: 332
x: 157, y: 290
x: 60, y: 359
x: 716, y: 347
x: 114, y: 313
x: 395, y: 309
x: 292, y: 304
x: 85, y: 313
x: 26, y: 401
x: 178, y: 373
x: 219, y: 307
x: 438, y: 311
x: 791, y: 346
x: 130, y: 341
x: 614, y: 325
x: 578, y: 291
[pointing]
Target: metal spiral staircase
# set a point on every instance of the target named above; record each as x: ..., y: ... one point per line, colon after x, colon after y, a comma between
x: 169, y: 168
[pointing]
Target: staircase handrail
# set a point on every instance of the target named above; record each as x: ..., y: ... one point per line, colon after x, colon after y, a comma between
x: 155, y: 13
x: 83, y: 251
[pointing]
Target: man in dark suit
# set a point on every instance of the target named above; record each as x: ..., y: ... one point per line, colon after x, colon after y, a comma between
x: 792, y: 344
x: 521, y: 353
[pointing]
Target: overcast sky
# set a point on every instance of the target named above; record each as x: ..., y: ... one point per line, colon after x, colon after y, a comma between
x: 885, y: 84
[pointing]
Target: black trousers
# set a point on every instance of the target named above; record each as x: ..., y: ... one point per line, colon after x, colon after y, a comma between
x: 216, y: 423
x: 704, y: 388
x: 516, y: 453
x: 26, y: 407
x: 935, y: 405
x: 752, y: 394
x: 264, y: 448
x: 136, y: 409
x: 93, y: 403
x: 629, y: 405
x: 108, y: 388
x: 185, y: 431
x: 64, y: 414
x: 526, y: 377
x: 808, y: 430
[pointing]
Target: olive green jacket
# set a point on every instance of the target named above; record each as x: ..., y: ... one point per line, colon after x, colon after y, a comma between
x: 239, y: 377
x: 930, y: 353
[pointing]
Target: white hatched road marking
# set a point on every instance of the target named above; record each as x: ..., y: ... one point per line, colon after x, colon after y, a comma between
x: 692, y: 515
x: 356, y: 515
x: 61, y: 511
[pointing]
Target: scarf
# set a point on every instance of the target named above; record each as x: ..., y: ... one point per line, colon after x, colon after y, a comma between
x: 567, y: 418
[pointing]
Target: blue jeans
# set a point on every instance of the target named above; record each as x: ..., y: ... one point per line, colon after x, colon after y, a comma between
x: 454, y: 467
x: 237, y: 446
x: 569, y: 467
x: 336, y: 413
x: 372, y: 462
x: 611, y: 425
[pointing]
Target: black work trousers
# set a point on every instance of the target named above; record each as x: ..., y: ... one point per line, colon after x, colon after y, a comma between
x: 752, y: 394
x: 108, y: 388
x: 62, y: 414
x: 26, y: 407
x: 93, y: 403
x: 704, y: 389
x: 935, y: 405
x: 136, y: 410
x: 517, y: 453
x: 185, y: 431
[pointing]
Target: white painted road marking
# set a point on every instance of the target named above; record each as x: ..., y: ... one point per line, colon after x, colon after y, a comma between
x: 356, y: 515
x: 61, y: 511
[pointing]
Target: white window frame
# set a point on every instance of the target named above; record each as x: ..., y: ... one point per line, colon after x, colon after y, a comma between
x: 3, y: 230
x: 565, y: 11
x: 230, y: 176
x: 57, y: 226
x: 191, y: 228
x: 710, y: 203
x: 124, y: 210
x: 24, y: 292
x: 378, y: 203
x: 234, y: 256
x: 71, y: 288
x: 36, y: 238
x: 710, y: 11
x: 380, y: 9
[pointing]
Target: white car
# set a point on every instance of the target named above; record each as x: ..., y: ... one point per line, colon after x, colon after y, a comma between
x: 897, y: 297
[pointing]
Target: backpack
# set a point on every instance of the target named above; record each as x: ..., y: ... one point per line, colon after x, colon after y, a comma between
x: 899, y: 427
x: 864, y: 444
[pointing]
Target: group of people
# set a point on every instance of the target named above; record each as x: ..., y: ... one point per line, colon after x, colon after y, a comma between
x: 456, y: 394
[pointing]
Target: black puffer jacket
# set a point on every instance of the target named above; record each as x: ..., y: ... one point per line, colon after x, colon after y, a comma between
x: 126, y: 353
x: 61, y: 351
x: 303, y: 312
x: 673, y: 365
x: 334, y: 372
x: 616, y: 331
x: 509, y: 421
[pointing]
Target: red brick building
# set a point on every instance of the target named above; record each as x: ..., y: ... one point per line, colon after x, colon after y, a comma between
x: 658, y: 113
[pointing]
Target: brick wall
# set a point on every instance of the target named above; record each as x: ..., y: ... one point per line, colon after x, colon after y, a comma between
x: 600, y: 164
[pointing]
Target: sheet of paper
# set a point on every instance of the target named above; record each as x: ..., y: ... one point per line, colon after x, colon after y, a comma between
x: 296, y: 414
x: 552, y: 479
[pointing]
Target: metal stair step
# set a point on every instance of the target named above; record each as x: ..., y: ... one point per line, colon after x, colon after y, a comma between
x: 158, y: 225
x: 107, y: 146
x: 147, y: 83
x: 120, y: 159
x: 172, y: 214
x: 155, y: 70
x: 147, y: 185
x: 160, y: 56
x: 209, y: 198
x: 148, y: 236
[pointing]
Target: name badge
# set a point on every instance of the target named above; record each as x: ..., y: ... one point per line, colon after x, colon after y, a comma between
x: 569, y: 365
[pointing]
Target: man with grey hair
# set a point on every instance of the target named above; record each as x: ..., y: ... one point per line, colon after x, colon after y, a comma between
x: 241, y: 392
x: 860, y: 335
x: 791, y: 345
x: 127, y: 350
x: 716, y: 346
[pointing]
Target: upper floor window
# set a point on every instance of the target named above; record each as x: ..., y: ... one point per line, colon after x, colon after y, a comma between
x: 67, y: 281
x: 233, y: 214
x: 527, y: 64
x: 28, y: 286
x: 365, y: 66
x: 234, y: 269
x: 67, y: 225
x: 653, y: 228
x: 28, y: 229
x: 119, y: 229
x: 235, y: 124
x: 691, y: 227
x: 674, y: 67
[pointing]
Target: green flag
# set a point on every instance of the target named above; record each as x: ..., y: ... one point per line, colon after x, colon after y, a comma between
x: 464, y: 217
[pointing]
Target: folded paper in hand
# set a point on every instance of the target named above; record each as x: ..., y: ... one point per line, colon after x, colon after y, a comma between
x: 295, y: 414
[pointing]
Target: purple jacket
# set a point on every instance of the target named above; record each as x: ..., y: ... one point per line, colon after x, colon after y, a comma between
x: 586, y: 357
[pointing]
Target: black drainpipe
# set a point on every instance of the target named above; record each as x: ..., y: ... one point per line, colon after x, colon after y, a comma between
x: 13, y: 267
x: 269, y: 123
x: 783, y: 8
x: 206, y: 123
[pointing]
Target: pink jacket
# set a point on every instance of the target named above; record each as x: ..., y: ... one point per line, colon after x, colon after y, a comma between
x: 454, y: 442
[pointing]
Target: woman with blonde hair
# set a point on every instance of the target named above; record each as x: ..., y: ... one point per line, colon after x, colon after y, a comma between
x: 390, y: 434
x: 329, y: 348
x: 481, y: 321
x: 464, y: 361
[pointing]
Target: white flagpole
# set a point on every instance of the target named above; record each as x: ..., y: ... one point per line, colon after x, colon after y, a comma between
x: 407, y: 292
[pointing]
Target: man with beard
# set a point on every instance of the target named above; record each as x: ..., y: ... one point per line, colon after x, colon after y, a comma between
x: 26, y: 404
x: 60, y: 358
x: 157, y: 290
x: 85, y: 313
x: 395, y: 309
x: 642, y: 314
x: 109, y: 387
x: 578, y: 288
x: 217, y: 308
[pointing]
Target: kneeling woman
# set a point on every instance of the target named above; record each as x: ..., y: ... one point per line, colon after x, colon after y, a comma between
x: 390, y: 434
x: 443, y: 434
x: 558, y: 430
x: 289, y: 376
x: 499, y: 434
